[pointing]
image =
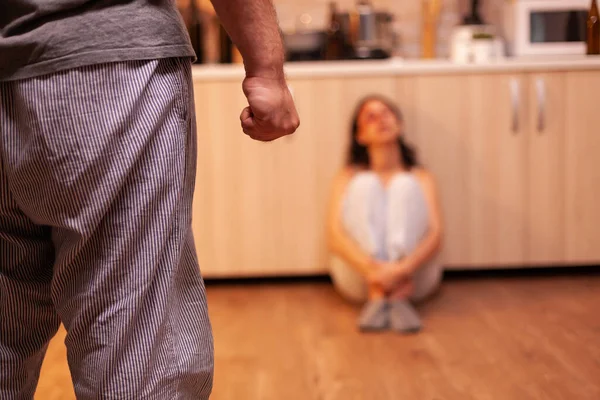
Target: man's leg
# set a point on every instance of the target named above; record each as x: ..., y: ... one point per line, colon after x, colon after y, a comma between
x: 110, y: 166
x: 27, y: 316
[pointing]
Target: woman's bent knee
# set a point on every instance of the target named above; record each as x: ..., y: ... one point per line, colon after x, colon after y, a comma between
x: 347, y: 281
x: 427, y: 282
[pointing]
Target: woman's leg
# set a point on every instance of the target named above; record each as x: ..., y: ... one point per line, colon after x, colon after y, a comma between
x: 403, y: 316
x: 425, y: 282
x: 407, y: 218
x: 408, y: 222
x: 364, y: 219
x: 364, y: 213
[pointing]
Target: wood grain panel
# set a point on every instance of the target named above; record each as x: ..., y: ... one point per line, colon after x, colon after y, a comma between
x: 436, y: 112
x: 546, y: 169
x: 582, y: 234
x: 512, y: 194
x: 260, y: 208
x: 497, y: 170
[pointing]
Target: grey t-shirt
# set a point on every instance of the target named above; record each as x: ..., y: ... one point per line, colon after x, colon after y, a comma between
x: 39, y: 37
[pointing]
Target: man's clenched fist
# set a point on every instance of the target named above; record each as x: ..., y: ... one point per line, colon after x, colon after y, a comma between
x: 271, y: 112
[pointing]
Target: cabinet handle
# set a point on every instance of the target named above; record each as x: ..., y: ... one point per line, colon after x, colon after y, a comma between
x: 514, y: 92
x: 541, y: 97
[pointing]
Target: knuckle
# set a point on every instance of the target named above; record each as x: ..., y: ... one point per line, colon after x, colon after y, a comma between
x: 290, y: 127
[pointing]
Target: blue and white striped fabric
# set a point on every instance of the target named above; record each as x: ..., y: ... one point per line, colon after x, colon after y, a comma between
x: 97, y: 172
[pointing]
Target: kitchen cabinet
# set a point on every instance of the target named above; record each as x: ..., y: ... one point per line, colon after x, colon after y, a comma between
x: 514, y: 155
x: 513, y: 152
x: 582, y: 147
x: 259, y: 208
x: 497, y: 176
x: 436, y: 123
x: 255, y: 210
x: 470, y: 131
x: 545, y: 128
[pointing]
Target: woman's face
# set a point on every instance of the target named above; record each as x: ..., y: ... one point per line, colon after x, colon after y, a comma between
x: 377, y: 124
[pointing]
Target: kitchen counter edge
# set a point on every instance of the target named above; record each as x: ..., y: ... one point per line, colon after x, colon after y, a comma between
x: 373, y: 68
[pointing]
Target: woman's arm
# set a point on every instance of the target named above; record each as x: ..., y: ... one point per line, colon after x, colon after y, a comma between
x: 339, y: 241
x: 432, y: 241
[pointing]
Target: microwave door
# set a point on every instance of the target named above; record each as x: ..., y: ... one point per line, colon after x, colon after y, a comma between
x: 558, y: 26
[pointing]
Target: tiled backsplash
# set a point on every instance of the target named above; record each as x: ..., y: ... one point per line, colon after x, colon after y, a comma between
x: 406, y: 12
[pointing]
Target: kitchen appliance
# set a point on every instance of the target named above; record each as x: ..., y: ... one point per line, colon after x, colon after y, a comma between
x: 304, y: 31
x: 473, y: 18
x: 304, y: 45
x: 545, y: 27
x: 369, y: 32
x: 364, y: 26
x: 477, y: 44
x: 360, y: 33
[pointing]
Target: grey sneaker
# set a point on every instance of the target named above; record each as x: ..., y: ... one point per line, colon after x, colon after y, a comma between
x: 374, y: 316
x: 403, y: 317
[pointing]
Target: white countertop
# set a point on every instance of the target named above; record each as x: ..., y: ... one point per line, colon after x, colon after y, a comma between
x: 364, y: 68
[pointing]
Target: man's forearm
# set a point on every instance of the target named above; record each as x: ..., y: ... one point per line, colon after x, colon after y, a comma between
x: 252, y: 26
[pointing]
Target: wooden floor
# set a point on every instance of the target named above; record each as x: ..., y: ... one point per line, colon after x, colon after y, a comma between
x: 501, y: 338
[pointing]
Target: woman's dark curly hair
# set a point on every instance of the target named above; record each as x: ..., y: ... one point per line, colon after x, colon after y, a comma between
x: 358, y: 154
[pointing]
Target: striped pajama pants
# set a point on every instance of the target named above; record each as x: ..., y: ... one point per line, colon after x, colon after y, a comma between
x: 97, y: 172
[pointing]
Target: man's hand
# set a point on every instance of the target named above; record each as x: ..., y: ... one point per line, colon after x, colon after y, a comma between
x: 253, y: 28
x: 271, y: 112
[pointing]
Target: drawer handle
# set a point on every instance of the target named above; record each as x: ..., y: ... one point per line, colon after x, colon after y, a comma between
x: 514, y: 91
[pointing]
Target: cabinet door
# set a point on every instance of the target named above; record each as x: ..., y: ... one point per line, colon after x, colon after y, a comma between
x: 258, y: 207
x: 436, y: 122
x: 582, y: 233
x: 546, y: 169
x: 231, y: 189
x: 470, y: 132
x: 497, y: 164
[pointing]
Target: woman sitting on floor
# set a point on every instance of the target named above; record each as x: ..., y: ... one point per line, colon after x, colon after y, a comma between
x: 385, y: 225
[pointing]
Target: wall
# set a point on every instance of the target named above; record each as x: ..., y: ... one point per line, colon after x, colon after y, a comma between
x: 407, y: 12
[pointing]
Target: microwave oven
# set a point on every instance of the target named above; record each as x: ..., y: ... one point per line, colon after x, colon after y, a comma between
x: 545, y: 27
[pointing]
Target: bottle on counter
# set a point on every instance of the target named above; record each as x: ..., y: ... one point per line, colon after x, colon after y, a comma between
x: 196, y: 30
x: 430, y: 16
x: 593, y: 29
x: 335, y: 42
x: 225, y: 46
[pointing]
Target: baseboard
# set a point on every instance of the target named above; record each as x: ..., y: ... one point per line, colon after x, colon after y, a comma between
x: 523, y: 272
x: 268, y: 280
x: 448, y: 274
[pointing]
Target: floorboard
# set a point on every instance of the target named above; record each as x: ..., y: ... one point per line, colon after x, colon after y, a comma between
x: 499, y: 338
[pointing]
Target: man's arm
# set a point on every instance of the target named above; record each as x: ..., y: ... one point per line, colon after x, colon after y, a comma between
x: 252, y: 26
